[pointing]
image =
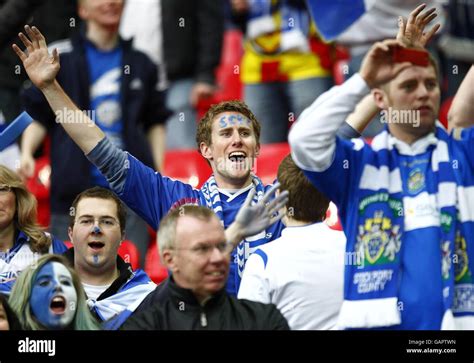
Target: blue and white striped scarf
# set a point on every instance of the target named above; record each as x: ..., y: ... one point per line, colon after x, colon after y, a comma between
x: 210, y: 191
x: 115, y: 309
x: 371, y: 292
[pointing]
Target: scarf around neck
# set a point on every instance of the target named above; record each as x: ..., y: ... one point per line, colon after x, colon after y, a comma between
x: 371, y: 291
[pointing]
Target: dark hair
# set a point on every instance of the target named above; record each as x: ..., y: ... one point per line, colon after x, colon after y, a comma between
x: 305, y: 202
x: 204, y: 129
x: 100, y: 193
x: 13, y: 322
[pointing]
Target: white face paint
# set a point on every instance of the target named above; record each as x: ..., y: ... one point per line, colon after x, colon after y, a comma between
x: 53, y: 298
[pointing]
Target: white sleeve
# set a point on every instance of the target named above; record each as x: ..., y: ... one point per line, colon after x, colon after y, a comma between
x: 254, y: 285
x: 312, y: 138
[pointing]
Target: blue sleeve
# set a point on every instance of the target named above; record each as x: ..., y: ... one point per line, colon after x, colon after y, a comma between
x: 151, y: 195
x: 467, y: 143
x: 340, y: 181
x: 112, y: 163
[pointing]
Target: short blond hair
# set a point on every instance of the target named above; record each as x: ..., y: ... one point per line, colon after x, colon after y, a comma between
x: 167, y: 231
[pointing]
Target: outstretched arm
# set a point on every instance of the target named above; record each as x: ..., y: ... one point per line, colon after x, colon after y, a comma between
x: 461, y: 113
x: 42, y: 69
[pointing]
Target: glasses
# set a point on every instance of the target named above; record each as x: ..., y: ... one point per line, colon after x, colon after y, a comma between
x: 104, y: 222
x: 205, y: 250
x: 4, y: 189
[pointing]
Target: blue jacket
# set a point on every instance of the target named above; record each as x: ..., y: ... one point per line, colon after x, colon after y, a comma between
x: 142, y: 107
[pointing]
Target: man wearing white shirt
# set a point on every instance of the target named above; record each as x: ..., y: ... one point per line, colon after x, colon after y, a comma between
x: 302, y: 272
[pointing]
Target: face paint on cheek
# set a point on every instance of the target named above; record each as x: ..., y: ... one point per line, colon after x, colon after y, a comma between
x: 53, y: 298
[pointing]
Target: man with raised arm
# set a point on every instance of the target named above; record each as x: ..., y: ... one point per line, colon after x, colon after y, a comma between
x: 228, y: 137
x: 406, y: 201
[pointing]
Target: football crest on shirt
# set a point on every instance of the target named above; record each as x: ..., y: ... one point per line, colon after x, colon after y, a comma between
x: 416, y: 181
x: 378, y: 240
x: 461, y: 261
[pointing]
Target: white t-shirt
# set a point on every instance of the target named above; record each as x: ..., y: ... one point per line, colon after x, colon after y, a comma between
x: 93, y: 291
x: 141, y: 20
x: 302, y: 273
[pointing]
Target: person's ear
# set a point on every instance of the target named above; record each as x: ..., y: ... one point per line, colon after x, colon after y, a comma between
x: 82, y: 11
x: 257, y: 150
x: 205, y: 150
x: 380, y: 98
x: 169, y: 260
x: 69, y: 233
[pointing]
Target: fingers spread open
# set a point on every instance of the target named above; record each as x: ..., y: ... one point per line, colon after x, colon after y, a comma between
x: 428, y: 19
x: 32, y: 37
x: 26, y: 42
x: 270, y: 192
x: 415, y: 13
x: 278, y: 203
x: 55, y: 55
x: 19, y: 52
x: 422, y: 18
x: 429, y: 35
x: 401, y: 27
x: 249, y: 198
x: 39, y: 36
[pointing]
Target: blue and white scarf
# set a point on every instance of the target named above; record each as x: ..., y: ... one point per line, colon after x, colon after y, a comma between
x: 210, y: 191
x: 379, y: 237
x: 115, y: 309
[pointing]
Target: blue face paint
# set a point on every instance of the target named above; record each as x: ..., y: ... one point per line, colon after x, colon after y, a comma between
x: 222, y: 122
x: 96, y: 230
x: 227, y: 121
x: 96, y: 259
x: 231, y: 119
x: 53, y: 297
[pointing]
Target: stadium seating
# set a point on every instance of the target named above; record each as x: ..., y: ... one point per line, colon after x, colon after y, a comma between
x: 186, y: 165
x: 153, y: 266
x: 266, y: 166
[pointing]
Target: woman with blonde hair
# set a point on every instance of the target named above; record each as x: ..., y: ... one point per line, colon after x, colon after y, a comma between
x: 22, y: 240
x: 48, y: 295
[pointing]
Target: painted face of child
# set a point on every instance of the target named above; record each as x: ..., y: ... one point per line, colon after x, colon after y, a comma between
x: 53, y: 298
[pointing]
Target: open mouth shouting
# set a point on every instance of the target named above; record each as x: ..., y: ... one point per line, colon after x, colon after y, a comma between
x: 58, y: 305
x: 238, y: 160
x: 96, y: 245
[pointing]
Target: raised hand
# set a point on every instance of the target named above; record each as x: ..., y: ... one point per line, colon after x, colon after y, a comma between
x: 411, y: 33
x: 253, y: 219
x: 378, y: 66
x: 41, y: 67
